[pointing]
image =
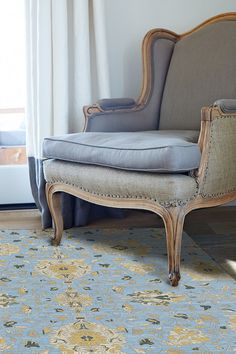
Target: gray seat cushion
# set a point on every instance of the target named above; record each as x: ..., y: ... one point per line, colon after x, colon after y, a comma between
x: 153, y: 151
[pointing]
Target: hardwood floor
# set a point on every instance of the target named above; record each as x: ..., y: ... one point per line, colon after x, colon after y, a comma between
x: 213, y: 229
x: 20, y: 219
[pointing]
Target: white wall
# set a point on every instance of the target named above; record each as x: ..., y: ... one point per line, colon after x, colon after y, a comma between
x: 15, y: 185
x: 127, y: 21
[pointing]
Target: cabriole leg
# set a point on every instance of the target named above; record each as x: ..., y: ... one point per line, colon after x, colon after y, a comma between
x: 174, y: 221
x: 54, y: 204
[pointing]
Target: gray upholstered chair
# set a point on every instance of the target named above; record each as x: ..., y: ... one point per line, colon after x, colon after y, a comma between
x: 165, y: 152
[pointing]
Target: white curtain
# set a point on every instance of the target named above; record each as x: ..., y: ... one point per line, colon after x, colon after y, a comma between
x: 67, y: 68
x: 67, y: 65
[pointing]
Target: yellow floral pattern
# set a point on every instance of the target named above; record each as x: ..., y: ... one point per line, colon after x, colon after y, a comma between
x: 61, y: 269
x: 7, y: 249
x: 74, y: 300
x: 155, y: 297
x: 7, y: 300
x: 139, y: 268
x: 180, y: 336
x: 85, y: 337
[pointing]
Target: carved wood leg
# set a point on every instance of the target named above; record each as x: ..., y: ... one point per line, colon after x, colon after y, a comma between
x: 54, y: 204
x: 174, y: 221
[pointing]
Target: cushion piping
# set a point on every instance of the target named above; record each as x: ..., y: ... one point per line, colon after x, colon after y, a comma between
x: 189, y: 144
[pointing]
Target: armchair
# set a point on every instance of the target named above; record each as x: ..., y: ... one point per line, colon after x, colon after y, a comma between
x: 170, y: 152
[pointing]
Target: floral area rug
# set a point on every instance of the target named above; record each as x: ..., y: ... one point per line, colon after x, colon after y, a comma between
x: 106, y: 291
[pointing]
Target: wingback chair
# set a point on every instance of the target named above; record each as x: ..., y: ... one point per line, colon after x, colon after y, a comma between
x: 171, y: 151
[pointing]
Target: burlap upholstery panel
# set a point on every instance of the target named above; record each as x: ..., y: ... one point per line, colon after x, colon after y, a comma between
x: 220, y: 174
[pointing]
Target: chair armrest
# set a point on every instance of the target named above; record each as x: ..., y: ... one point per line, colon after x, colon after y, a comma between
x: 226, y: 105
x: 109, y: 115
x: 119, y: 115
x: 217, y: 172
x: 108, y: 104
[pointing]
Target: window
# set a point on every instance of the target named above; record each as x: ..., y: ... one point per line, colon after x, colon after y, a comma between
x: 14, y: 174
x: 12, y: 82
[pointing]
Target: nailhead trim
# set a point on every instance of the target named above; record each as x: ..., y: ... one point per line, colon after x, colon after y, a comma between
x: 166, y: 204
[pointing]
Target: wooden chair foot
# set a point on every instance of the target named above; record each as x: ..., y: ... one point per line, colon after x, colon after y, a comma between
x: 174, y: 278
x: 55, y: 242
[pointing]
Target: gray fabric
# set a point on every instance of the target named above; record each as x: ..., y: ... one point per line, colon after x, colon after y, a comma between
x: 116, y: 103
x: 152, y: 151
x: 37, y: 183
x: 202, y: 70
x: 12, y: 138
x: 226, y: 105
x: 166, y: 189
x: 147, y: 117
x: 76, y: 212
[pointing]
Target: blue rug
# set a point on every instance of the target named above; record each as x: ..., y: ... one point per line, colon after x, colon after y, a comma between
x: 106, y: 291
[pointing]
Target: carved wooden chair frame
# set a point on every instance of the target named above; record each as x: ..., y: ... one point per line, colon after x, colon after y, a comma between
x: 172, y: 216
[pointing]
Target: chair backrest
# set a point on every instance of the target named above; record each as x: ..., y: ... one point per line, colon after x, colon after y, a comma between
x: 202, y: 69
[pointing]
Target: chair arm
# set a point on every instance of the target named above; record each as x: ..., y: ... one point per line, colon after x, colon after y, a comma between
x: 108, y: 104
x: 217, y: 172
x: 125, y: 117
x: 226, y: 105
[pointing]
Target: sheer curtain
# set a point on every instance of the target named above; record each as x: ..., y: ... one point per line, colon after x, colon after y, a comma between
x: 66, y: 69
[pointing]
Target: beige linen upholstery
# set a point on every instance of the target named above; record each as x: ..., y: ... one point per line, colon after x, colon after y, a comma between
x: 166, y: 189
x: 220, y: 172
x: 194, y: 70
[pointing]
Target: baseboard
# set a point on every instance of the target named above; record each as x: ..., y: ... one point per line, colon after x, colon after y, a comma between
x: 18, y: 206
